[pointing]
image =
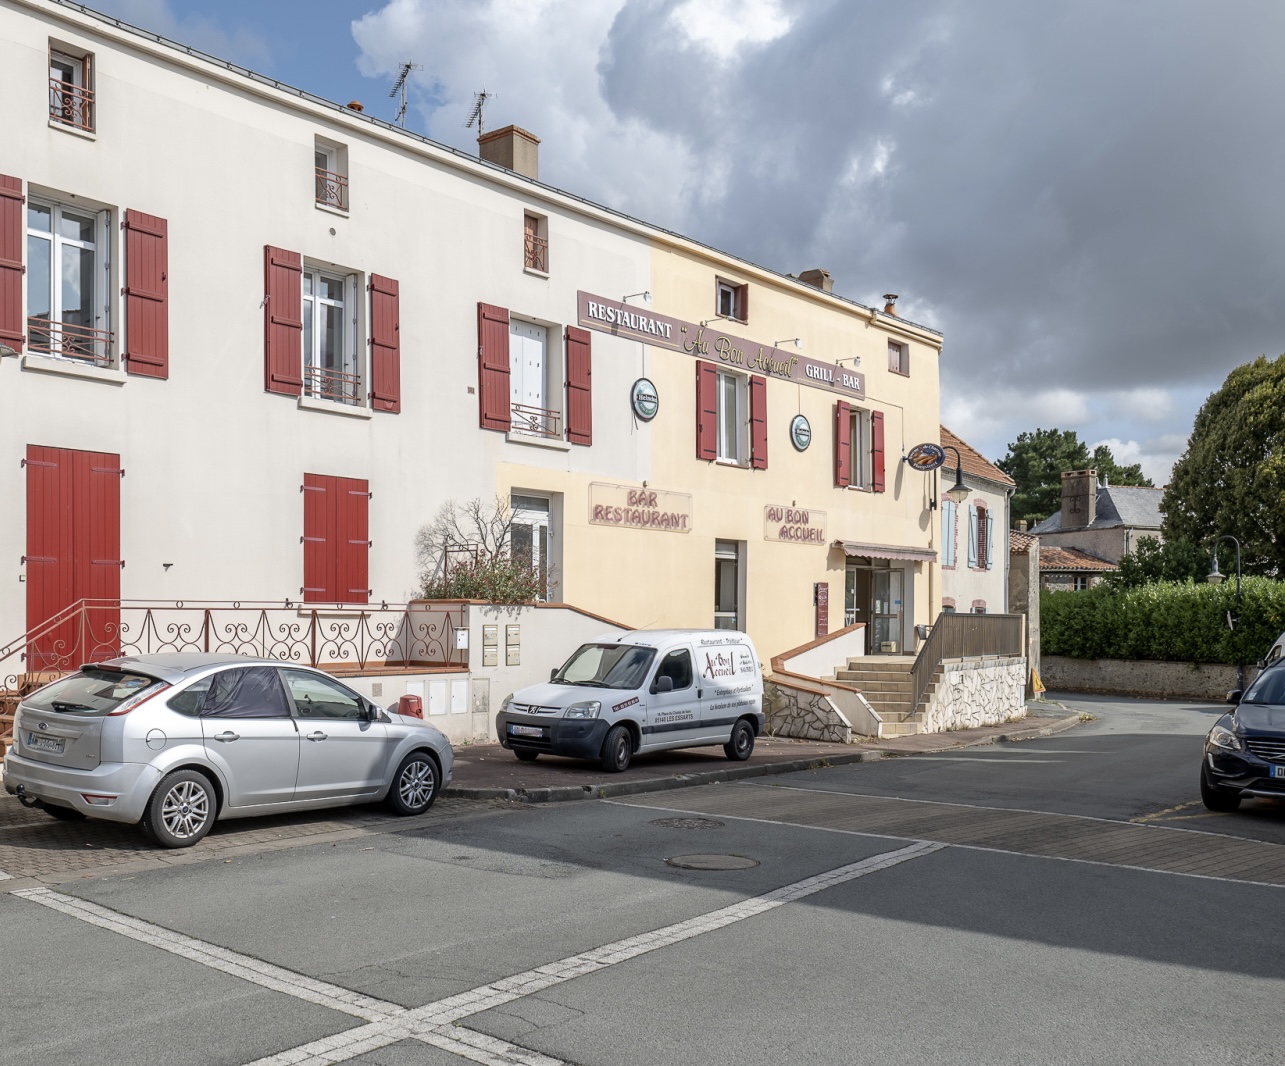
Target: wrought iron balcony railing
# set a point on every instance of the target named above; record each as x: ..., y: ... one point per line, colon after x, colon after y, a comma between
x: 332, y: 189
x: 537, y: 253
x: 336, y: 385
x: 538, y: 421
x: 83, y: 343
x: 71, y: 104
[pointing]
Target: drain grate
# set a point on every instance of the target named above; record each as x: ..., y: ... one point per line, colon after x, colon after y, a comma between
x: 712, y: 862
x: 688, y: 823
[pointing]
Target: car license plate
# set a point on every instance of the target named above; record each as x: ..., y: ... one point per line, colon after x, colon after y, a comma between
x: 1278, y: 771
x: 50, y: 744
x: 525, y: 731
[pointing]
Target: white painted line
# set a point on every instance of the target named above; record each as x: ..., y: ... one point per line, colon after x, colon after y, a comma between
x: 436, y: 1023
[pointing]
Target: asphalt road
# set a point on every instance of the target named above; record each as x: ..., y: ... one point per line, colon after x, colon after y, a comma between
x: 908, y: 911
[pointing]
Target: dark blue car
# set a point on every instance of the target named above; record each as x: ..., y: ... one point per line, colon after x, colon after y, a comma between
x: 1245, y: 750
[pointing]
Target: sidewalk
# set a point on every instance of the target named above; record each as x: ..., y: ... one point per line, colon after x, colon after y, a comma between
x: 488, y: 771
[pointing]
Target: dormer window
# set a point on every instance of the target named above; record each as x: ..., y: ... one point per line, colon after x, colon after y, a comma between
x: 71, y: 93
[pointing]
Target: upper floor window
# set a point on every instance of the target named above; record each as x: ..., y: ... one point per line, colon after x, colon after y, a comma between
x: 331, y: 370
x: 981, y: 536
x: 535, y: 243
x: 67, y: 283
x: 71, y: 93
x: 531, y: 405
x: 733, y: 417
x: 732, y: 300
x: 331, y: 164
x: 898, y: 358
x: 862, y: 449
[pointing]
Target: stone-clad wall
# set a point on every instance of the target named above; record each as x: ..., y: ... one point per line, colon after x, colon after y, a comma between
x: 1125, y: 677
x: 976, y: 692
x: 800, y: 712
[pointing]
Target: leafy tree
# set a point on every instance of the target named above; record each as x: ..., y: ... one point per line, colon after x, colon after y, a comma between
x: 1231, y: 478
x: 1115, y: 474
x: 1036, y: 461
x: 1153, y: 560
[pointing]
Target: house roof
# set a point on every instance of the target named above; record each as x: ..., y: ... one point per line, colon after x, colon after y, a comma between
x: 973, y: 462
x: 1118, y: 505
x: 1019, y: 543
x: 1071, y: 559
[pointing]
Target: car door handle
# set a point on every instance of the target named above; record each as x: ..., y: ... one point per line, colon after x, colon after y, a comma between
x: 226, y: 736
x: 318, y: 735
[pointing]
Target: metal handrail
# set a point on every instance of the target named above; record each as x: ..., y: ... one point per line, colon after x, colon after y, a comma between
x: 66, y: 339
x: 71, y: 104
x: 963, y: 636
x: 332, y: 189
x: 540, y: 421
x: 537, y: 253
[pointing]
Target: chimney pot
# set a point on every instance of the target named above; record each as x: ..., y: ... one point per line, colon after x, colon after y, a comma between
x: 355, y: 105
x: 1021, y: 525
x: 890, y: 303
x: 512, y: 148
x: 818, y: 278
x: 1079, y: 498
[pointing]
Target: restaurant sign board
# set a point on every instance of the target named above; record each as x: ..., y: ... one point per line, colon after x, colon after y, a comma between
x: 795, y: 525
x: 622, y: 320
x: 629, y: 507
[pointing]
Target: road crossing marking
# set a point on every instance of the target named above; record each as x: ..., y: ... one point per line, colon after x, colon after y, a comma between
x: 438, y: 1023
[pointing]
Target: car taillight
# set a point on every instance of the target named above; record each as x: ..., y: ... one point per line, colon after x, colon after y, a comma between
x: 134, y: 701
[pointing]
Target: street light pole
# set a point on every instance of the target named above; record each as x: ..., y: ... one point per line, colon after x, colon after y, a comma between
x: 1216, y: 578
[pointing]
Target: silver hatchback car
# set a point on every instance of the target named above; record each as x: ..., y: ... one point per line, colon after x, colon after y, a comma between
x: 176, y: 741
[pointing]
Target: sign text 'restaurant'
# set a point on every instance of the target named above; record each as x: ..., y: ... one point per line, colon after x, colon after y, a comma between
x: 634, y: 508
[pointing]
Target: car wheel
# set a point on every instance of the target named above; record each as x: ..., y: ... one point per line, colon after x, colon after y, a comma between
x: 1217, y: 799
x: 63, y: 814
x: 181, y: 810
x: 526, y: 754
x: 617, y: 750
x: 741, y: 742
x: 415, y: 784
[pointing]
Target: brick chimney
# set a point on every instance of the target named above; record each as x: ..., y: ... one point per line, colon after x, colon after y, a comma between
x: 513, y: 148
x: 819, y: 279
x: 1079, y: 498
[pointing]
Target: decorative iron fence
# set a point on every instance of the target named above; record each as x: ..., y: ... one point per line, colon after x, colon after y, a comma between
x: 336, y: 385
x: 332, y: 189
x: 537, y: 253
x: 539, y: 421
x: 70, y: 341
x: 965, y: 636
x: 71, y: 104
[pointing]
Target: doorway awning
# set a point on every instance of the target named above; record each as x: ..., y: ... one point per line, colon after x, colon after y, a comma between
x: 887, y: 551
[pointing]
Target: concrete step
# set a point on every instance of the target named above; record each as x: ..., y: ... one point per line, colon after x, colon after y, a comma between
x: 872, y: 675
x: 870, y: 662
x: 898, y: 729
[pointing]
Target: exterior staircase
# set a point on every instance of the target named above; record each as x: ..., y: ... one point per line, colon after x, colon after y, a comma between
x: 885, y: 682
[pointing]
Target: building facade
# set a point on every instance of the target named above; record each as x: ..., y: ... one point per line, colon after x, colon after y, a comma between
x: 258, y: 380
x: 1102, y: 520
x: 974, y: 532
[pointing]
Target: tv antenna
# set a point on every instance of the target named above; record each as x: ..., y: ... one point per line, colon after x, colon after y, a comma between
x: 479, y: 106
x: 399, y: 86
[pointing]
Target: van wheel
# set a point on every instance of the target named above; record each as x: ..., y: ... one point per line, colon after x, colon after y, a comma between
x: 617, y: 750
x: 526, y: 754
x: 1217, y: 799
x: 63, y: 814
x: 741, y: 742
x: 181, y: 810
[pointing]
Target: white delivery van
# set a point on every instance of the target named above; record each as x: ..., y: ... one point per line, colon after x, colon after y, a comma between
x: 638, y: 692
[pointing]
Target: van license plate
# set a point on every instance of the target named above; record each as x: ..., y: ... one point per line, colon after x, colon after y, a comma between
x: 1278, y: 771
x: 49, y: 744
x: 525, y: 731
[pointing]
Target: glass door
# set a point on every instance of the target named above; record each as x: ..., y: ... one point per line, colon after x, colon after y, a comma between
x: 886, y: 610
x: 529, y: 537
x: 727, y: 585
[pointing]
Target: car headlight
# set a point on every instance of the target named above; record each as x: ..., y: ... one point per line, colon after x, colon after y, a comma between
x: 587, y: 709
x: 1222, y: 737
x: 504, y: 706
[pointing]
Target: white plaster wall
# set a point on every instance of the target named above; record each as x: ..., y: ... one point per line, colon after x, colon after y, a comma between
x: 961, y: 582
x: 824, y: 659
x: 976, y: 692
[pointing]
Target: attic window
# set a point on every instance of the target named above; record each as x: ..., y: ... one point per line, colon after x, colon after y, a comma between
x: 71, y: 92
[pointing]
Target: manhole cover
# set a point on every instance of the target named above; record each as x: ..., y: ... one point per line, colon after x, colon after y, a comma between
x: 688, y: 823
x: 712, y: 862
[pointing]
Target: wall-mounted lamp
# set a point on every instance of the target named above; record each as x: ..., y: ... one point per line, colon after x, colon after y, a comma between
x: 855, y: 360
x: 796, y: 341
x: 958, y: 491
x: 646, y: 297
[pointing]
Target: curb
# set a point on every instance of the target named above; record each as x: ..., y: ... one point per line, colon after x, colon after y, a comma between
x: 565, y: 793
x: 562, y: 793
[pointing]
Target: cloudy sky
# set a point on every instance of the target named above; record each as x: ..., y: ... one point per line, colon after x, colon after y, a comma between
x: 1083, y: 196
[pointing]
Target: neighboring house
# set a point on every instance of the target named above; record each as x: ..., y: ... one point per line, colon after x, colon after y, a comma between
x: 974, y: 532
x: 1103, y: 520
x: 1024, y: 588
x: 1071, y: 570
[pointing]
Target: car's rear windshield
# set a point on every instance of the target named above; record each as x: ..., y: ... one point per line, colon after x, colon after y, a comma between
x: 90, y: 693
x: 1269, y: 688
x: 607, y: 666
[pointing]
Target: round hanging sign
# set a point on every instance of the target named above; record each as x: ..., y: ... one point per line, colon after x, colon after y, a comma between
x: 644, y: 399
x: 926, y: 456
x: 800, y: 433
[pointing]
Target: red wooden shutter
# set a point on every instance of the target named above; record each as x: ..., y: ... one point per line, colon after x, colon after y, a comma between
x: 352, y: 498
x: 876, y: 456
x: 96, y: 573
x: 147, y: 320
x: 49, y: 553
x: 282, y: 321
x: 743, y: 302
x: 842, y: 444
x: 493, y: 367
x: 385, y: 345
x: 579, y: 386
x: 706, y: 411
x: 758, y: 423
x: 318, y: 539
x: 12, y: 238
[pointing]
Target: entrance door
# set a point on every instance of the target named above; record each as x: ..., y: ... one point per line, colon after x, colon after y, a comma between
x: 856, y: 596
x: 73, y: 554
x: 727, y: 585
x: 887, y: 609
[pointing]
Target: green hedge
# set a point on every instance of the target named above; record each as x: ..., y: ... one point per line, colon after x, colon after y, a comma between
x: 1168, y: 620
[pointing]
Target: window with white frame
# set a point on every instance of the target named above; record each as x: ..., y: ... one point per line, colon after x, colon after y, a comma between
x: 535, y: 243
x: 529, y: 537
x: 330, y: 162
x: 331, y: 364
x: 68, y: 291
x: 733, y: 417
x: 71, y: 96
x: 862, y: 449
x: 731, y: 300
x: 531, y: 407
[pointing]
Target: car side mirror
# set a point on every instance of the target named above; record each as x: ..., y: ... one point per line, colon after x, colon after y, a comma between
x: 553, y: 673
x: 1234, y: 695
x: 663, y: 684
x: 1261, y: 663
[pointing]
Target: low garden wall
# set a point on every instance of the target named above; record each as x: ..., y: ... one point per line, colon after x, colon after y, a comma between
x: 976, y: 692
x: 804, y: 711
x: 1141, y: 677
